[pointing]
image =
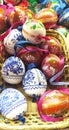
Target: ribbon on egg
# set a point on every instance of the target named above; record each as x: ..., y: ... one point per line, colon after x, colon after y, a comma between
x: 39, y: 105
x: 22, y: 43
x: 9, y: 8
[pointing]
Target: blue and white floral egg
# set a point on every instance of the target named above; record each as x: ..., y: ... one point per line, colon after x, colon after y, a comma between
x: 11, y: 39
x: 13, y: 103
x: 13, y: 70
x: 34, y: 82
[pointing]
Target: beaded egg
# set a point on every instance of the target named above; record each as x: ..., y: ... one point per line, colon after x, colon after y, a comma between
x: 13, y: 70
x: 13, y: 103
x: 32, y: 29
x: 11, y: 39
x: 34, y: 82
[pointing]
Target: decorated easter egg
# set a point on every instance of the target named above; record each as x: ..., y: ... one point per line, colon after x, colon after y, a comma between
x: 11, y: 39
x: 2, y: 20
x: 64, y: 18
x: 32, y: 29
x: 13, y: 70
x: 30, y: 55
x: 20, y: 14
x: 54, y: 104
x: 13, y: 103
x: 52, y: 45
x: 34, y: 82
x: 50, y: 65
x: 47, y: 15
x: 13, y: 2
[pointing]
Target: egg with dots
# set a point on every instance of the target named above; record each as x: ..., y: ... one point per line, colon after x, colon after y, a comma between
x: 47, y: 16
x: 51, y: 65
x: 52, y: 44
x: 54, y: 104
x: 19, y: 14
x: 32, y: 29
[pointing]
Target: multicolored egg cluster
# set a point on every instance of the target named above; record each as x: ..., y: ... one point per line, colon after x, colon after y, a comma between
x: 30, y: 51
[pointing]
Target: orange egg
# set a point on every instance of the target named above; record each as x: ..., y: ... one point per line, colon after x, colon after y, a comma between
x: 2, y: 20
x: 55, y: 102
x: 47, y: 15
x: 19, y: 15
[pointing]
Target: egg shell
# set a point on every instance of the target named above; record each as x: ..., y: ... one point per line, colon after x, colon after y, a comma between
x: 32, y: 29
x: 11, y: 39
x: 47, y: 15
x: 34, y: 82
x: 13, y: 70
x: 13, y: 103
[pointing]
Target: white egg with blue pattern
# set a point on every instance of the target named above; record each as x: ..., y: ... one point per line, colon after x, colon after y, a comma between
x: 13, y: 70
x: 13, y: 103
x: 34, y: 82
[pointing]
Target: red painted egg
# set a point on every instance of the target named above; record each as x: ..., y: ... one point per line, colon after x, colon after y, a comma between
x: 50, y: 65
x: 52, y: 45
x: 31, y: 55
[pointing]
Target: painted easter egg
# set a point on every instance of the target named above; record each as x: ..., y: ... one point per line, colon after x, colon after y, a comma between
x: 47, y: 15
x: 13, y: 103
x: 20, y: 14
x: 50, y: 65
x: 34, y: 82
x: 32, y: 29
x: 54, y: 104
x: 52, y: 44
x: 30, y: 55
x: 13, y: 70
x: 11, y: 39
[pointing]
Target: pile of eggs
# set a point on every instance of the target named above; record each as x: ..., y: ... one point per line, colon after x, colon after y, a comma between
x: 31, y: 57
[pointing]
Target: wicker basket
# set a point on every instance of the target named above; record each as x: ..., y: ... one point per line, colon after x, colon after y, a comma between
x: 33, y: 121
